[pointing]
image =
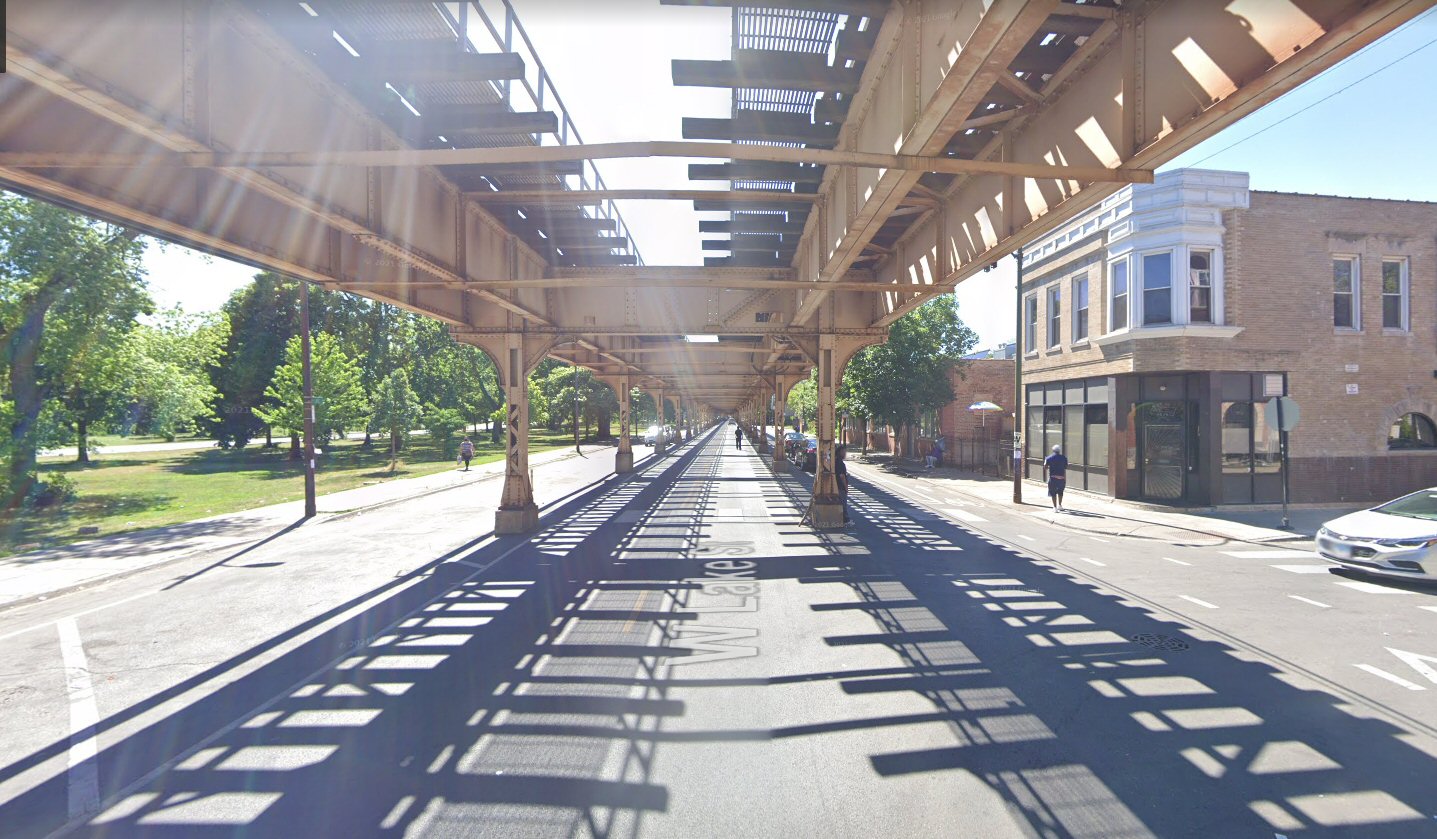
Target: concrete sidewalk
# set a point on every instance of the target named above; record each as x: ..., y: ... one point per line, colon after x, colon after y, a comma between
x: 1099, y: 514
x: 52, y: 571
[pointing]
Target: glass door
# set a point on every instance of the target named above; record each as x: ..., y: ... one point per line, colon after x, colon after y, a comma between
x: 1162, y: 435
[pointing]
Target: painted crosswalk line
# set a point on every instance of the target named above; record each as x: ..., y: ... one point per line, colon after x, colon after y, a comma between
x: 1280, y: 554
x: 1303, y: 569
x: 961, y: 515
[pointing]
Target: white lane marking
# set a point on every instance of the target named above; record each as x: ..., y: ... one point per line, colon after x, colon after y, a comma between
x: 961, y: 515
x: 1096, y: 539
x: 1282, y: 554
x: 77, y: 614
x: 1202, y: 603
x: 1370, y: 588
x: 1316, y: 603
x: 1421, y: 663
x: 83, y: 775
x: 1093, y: 562
x: 1303, y: 569
x: 1026, y: 536
x: 1176, y: 561
x: 1429, y: 608
x: 1391, y: 677
x: 925, y: 496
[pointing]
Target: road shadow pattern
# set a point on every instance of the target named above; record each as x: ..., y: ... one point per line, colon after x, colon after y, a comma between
x: 536, y: 699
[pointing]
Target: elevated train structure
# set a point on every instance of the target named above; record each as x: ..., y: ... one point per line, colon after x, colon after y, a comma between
x: 878, y: 153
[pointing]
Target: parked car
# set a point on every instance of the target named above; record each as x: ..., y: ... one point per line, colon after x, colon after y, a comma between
x: 1397, y: 539
x: 810, y: 455
x: 792, y: 440
x: 653, y: 435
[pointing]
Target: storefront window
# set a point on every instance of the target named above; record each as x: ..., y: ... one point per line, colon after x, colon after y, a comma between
x: 1236, y: 438
x: 1266, y: 447
x: 1413, y: 431
x: 1095, y: 419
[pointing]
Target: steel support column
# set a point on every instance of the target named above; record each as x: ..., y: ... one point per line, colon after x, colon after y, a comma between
x: 780, y: 407
x: 624, y: 457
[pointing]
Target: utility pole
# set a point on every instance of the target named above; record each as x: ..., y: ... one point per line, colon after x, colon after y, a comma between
x: 1018, y: 386
x: 310, y: 507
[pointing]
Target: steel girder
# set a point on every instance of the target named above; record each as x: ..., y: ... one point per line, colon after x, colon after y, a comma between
x: 209, y: 83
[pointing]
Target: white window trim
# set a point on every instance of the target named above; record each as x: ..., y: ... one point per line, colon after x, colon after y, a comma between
x: 1215, y: 310
x: 1406, y: 291
x: 1139, y: 322
x: 1073, y: 338
x: 1188, y: 330
x: 1053, y: 338
x: 1110, y: 294
x: 1030, y: 325
x: 1356, y: 291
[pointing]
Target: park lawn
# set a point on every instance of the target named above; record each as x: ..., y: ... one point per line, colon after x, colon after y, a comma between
x: 122, y: 492
x: 115, y: 440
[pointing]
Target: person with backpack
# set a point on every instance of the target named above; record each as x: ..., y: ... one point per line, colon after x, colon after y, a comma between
x: 738, y: 438
x: 466, y: 452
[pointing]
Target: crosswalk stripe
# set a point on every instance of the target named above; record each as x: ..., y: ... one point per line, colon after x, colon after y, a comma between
x: 1303, y: 569
x: 961, y: 515
x: 1282, y: 554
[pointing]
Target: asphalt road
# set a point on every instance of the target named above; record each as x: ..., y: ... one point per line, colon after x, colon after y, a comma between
x: 675, y: 656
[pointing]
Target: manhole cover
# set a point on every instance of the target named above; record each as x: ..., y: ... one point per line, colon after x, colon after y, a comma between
x: 1166, y: 643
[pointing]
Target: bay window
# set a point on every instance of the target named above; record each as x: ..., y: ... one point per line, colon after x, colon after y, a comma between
x: 1200, y: 286
x: 1119, y: 286
x: 1158, y: 288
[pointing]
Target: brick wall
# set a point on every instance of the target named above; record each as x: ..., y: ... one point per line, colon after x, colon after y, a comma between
x: 1277, y: 276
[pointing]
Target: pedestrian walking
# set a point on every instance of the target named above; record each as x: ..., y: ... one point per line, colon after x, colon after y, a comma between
x: 1055, y: 470
x: 840, y: 471
x: 466, y: 452
x: 738, y: 438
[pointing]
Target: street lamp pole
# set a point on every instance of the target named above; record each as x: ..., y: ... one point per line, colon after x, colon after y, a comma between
x: 310, y: 505
x: 1018, y: 401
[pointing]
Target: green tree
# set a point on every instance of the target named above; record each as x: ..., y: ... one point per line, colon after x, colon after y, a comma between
x: 803, y: 400
x: 263, y: 316
x: 60, y: 275
x: 396, y: 409
x: 171, y: 358
x: 895, y: 381
x: 339, y: 402
x: 442, y: 423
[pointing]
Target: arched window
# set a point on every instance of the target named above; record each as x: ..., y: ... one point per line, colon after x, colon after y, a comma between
x: 1413, y: 431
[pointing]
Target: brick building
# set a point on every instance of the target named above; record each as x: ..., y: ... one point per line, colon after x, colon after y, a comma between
x: 982, y: 442
x: 1158, y: 325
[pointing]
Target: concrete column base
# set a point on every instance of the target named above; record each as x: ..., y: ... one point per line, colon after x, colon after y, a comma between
x: 781, y: 465
x: 517, y: 520
x: 826, y: 515
x: 660, y: 448
x: 623, y: 462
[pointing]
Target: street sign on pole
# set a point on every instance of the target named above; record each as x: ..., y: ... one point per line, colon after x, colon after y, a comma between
x: 1282, y: 413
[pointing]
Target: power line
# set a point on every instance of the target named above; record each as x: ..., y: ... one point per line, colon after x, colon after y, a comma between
x: 1327, y: 98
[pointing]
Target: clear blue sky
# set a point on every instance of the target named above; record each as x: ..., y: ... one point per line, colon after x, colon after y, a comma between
x: 1340, y: 134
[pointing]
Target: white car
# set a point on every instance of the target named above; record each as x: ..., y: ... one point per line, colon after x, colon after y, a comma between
x: 653, y: 435
x: 1397, y: 539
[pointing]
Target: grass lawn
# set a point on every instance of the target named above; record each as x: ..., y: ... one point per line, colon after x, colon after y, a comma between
x: 137, y: 439
x: 121, y: 492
